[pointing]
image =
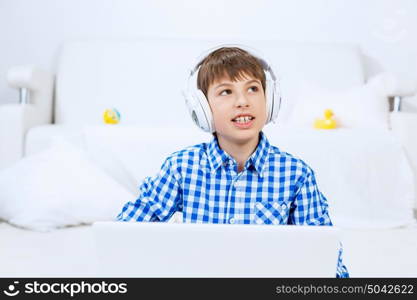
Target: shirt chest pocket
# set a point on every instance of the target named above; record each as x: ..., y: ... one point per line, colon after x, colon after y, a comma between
x: 271, y: 212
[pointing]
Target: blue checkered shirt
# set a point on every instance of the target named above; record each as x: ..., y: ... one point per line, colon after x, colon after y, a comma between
x: 202, y: 181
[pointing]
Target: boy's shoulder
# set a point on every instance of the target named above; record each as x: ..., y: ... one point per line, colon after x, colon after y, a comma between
x: 189, y: 153
x: 282, y: 158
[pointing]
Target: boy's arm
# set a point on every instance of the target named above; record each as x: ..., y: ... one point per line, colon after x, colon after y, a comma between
x: 159, y: 197
x: 310, y: 208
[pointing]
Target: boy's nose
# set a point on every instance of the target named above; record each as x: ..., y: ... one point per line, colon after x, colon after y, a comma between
x: 242, y: 100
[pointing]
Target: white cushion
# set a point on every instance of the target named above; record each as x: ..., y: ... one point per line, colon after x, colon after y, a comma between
x: 126, y: 153
x: 58, y: 187
x: 141, y: 151
x: 361, y: 107
x: 143, y: 78
x: 39, y: 138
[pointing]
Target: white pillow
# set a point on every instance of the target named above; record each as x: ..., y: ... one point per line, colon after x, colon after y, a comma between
x: 141, y: 151
x: 361, y: 107
x: 58, y: 187
x: 39, y: 138
x: 103, y: 153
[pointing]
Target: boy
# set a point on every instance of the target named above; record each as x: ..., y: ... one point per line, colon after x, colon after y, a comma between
x: 237, y: 178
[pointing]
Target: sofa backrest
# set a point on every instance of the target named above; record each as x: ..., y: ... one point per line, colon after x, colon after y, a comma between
x: 143, y: 78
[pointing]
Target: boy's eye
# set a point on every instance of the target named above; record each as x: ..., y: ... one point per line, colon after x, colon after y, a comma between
x: 255, y: 88
x: 222, y: 93
x: 228, y: 91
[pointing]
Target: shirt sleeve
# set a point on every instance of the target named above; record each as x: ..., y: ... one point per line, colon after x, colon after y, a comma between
x: 159, y: 197
x: 310, y: 207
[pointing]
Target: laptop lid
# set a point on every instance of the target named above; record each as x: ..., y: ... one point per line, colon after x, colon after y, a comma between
x: 153, y: 249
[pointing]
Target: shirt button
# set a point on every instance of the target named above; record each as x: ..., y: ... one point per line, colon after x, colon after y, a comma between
x: 284, y: 206
x: 258, y: 205
x: 232, y: 221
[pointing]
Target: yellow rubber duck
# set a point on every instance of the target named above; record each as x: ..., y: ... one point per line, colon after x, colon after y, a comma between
x: 327, y: 123
x: 111, y: 116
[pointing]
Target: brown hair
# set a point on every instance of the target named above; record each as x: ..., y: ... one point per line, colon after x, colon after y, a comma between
x: 231, y: 61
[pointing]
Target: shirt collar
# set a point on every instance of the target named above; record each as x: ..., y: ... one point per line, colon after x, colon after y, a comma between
x: 218, y: 157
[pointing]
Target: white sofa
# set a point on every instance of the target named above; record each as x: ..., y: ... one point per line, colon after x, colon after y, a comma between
x: 143, y: 80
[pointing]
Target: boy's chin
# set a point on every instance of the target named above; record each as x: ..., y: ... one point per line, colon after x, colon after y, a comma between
x: 240, y: 136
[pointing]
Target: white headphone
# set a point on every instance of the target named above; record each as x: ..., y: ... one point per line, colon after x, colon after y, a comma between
x: 197, y: 102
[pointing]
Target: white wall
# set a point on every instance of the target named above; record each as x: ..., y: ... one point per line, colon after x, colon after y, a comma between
x: 32, y: 31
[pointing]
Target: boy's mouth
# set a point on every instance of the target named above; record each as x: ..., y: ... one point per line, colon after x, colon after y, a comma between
x: 243, y: 121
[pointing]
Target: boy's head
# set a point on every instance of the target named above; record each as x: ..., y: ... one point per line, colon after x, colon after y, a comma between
x: 234, y: 83
x: 230, y: 61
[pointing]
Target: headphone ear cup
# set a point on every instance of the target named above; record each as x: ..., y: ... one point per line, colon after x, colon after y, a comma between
x: 269, y: 97
x: 276, y: 102
x: 206, y: 114
x: 199, y: 110
x: 273, y: 101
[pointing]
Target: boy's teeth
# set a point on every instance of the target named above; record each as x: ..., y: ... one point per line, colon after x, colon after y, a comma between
x: 243, y: 119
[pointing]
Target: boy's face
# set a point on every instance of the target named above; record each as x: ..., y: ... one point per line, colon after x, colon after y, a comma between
x: 230, y: 99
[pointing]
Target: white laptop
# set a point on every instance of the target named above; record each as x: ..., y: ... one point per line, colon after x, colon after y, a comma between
x: 142, y: 249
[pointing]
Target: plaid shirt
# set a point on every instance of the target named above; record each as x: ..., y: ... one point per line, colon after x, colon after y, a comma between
x: 202, y: 181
